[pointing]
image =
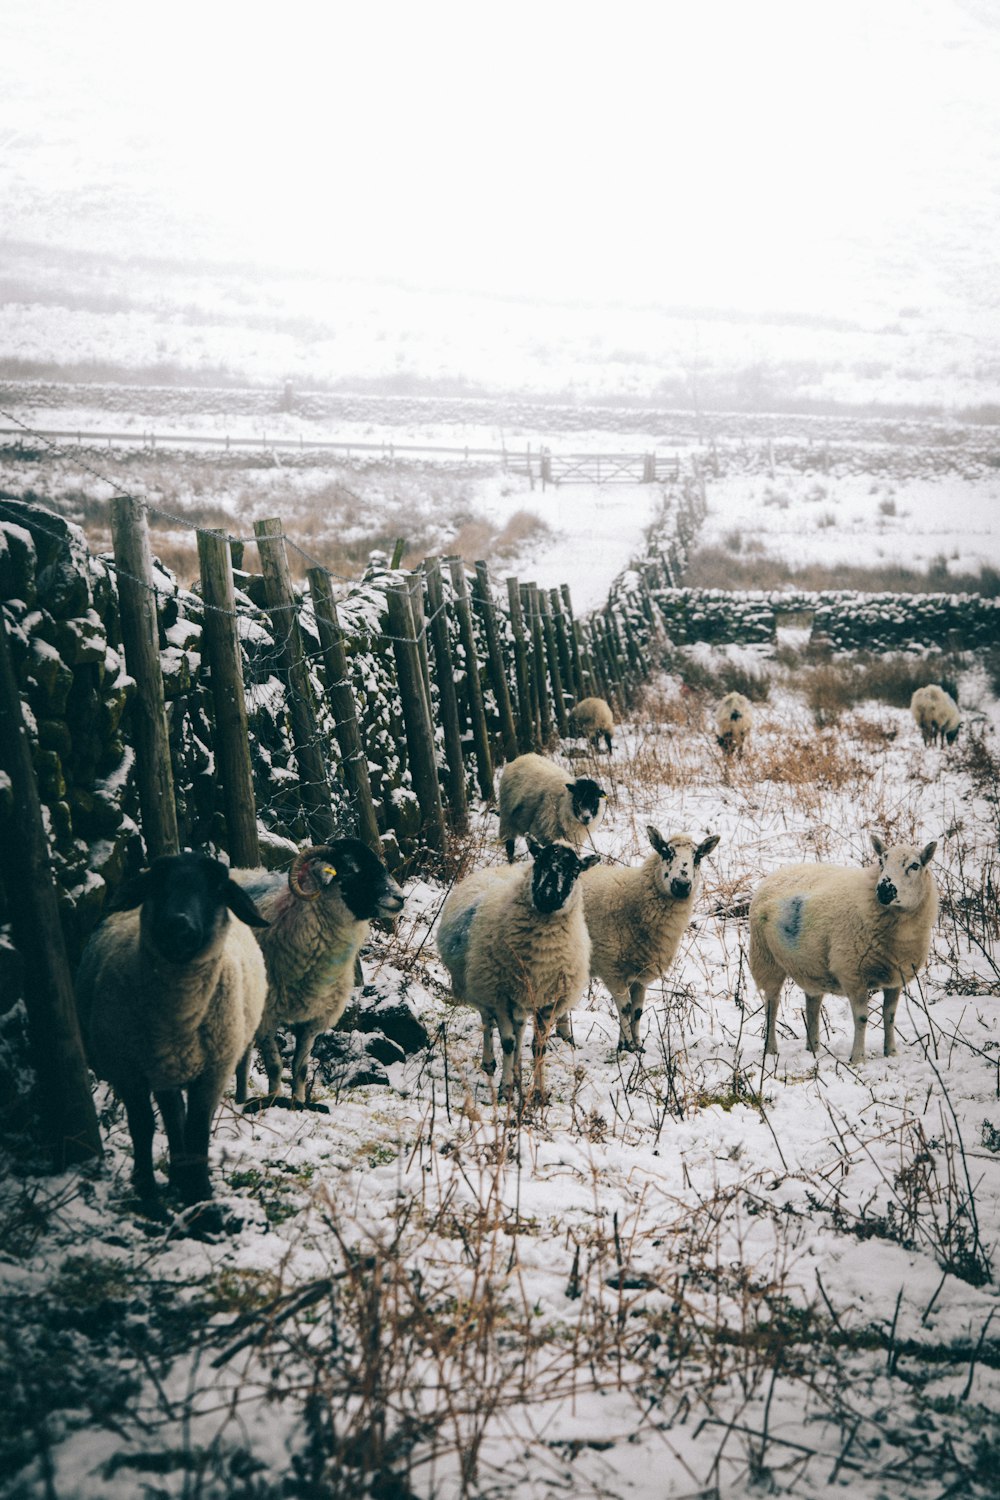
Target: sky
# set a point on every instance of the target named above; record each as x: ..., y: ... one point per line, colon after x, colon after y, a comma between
x: 779, y: 154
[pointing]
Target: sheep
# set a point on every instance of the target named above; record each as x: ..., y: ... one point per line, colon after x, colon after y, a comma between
x: 733, y: 723
x: 936, y: 713
x: 536, y: 799
x: 595, y: 720
x: 515, y: 944
x: 319, y: 918
x: 846, y: 932
x: 169, y: 997
x: 636, y: 918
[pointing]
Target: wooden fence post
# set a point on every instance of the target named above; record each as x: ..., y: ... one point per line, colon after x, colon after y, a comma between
x: 562, y: 644
x: 232, y: 743
x: 497, y: 665
x: 458, y: 800
x: 283, y: 610
x: 67, y: 1112
x: 477, y: 710
x: 345, y: 714
x: 141, y: 637
x: 525, y: 718
x: 552, y: 656
x: 419, y: 735
x: 534, y: 699
x: 573, y: 631
x: 540, y: 690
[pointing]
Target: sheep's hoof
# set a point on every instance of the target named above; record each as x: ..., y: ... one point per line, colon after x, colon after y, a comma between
x: 316, y: 1109
x: 207, y: 1221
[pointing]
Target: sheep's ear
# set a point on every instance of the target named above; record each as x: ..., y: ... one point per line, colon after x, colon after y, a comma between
x: 589, y: 863
x: 878, y: 846
x: 241, y: 905
x: 132, y: 893
x: 534, y: 848
x: 657, y: 840
x: 706, y: 846
x: 928, y: 852
x: 571, y: 786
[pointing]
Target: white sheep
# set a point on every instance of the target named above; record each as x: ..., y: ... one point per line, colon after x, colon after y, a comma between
x: 169, y: 997
x: 936, y: 713
x: 733, y: 722
x: 319, y: 918
x: 842, y: 931
x: 515, y: 944
x: 594, y: 719
x: 536, y: 800
x: 636, y: 918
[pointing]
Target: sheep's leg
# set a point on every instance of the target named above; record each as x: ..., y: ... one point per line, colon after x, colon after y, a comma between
x: 141, y: 1126
x: 170, y: 1103
x: 510, y: 1041
x: 607, y: 741
x: 271, y: 1058
x: 859, y: 1006
x: 813, y: 1003
x: 189, y: 1173
x: 243, y: 1076
x: 770, y: 1037
x: 489, y: 1056
x: 539, y: 1037
x: 564, y: 1028
x: 890, y: 999
x: 305, y: 1035
x: 636, y: 1001
x: 509, y: 846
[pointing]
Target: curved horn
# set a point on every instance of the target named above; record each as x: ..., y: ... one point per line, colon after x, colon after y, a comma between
x: 295, y: 872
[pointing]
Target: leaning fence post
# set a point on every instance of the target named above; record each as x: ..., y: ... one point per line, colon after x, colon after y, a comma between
x: 419, y: 735
x: 437, y: 625
x: 539, y: 678
x: 552, y: 656
x: 525, y: 719
x: 573, y: 634
x: 67, y: 1109
x: 345, y: 714
x: 232, y: 742
x: 497, y: 666
x: 562, y: 643
x: 141, y: 638
x: 283, y: 610
x: 477, y: 710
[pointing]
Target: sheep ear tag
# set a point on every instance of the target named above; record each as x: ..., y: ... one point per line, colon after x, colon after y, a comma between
x: 327, y: 873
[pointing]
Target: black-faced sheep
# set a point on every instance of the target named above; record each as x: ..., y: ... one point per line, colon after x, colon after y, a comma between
x: 842, y: 931
x: 937, y: 714
x: 319, y: 919
x: 733, y: 723
x: 593, y: 719
x: 537, y: 800
x: 515, y: 944
x: 636, y: 918
x: 169, y: 998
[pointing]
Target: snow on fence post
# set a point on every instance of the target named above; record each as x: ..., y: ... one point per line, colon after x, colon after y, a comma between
x: 231, y: 738
x: 283, y: 609
x: 345, y: 713
x: 141, y: 639
x: 415, y: 586
x: 497, y: 666
x: 573, y: 633
x: 526, y: 738
x: 562, y: 645
x: 458, y: 801
x: 540, y: 689
x: 67, y: 1111
x: 552, y: 656
x: 477, y: 709
x: 416, y: 716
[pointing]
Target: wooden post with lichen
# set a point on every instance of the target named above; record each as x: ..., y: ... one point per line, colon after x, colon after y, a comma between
x: 497, y: 666
x: 539, y: 676
x: 573, y: 636
x: 437, y: 625
x: 416, y: 718
x: 477, y: 709
x: 552, y: 657
x: 525, y: 717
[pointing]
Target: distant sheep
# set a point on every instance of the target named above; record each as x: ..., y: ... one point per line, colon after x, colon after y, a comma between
x: 594, y: 719
x: 733, y: 723
x: 319, y: 918
x: 169, y: 997
x: 636, y: 918
x: 536, y: 800
x: 936, y: 713
x: 515, y: 944
x: 843, y: 931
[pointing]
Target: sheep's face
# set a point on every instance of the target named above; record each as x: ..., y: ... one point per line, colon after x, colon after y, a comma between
x: 902, y: 883
x: 347, y: 868
x: 185, y: 900
x: 554, y: 875
x: 678, y: 871
x: 589, y: 801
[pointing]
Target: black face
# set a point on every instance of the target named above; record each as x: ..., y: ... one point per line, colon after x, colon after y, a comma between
x: 365, y: 885
x: 185, y: 898
x: 554, y: 875
x: 587, y: 799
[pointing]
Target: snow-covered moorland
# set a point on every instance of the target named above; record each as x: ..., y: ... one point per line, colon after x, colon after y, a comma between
x: 691, y: 1273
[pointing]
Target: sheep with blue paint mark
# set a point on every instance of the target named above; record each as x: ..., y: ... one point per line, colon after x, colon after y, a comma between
x: 536, y: 800
x: 836, y: 930
x: 515, y: 944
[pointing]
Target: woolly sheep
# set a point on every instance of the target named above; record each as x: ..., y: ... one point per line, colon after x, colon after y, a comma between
x: 733, y: 722
x: 319, y: 918
x: 936, y: 713
x: 595, y: 720
x: 537, y: 800
x: 636, y: 918
x: 515, y: 944
x: 842, y: 931
x: 169, y: 997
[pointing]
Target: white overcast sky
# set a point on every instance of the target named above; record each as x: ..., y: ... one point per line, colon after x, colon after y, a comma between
x: 751, y: 153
